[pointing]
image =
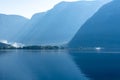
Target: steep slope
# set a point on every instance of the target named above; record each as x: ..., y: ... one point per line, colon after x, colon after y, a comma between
x: 11, y: 26
x: 59, y: 24
x: 102, y: 30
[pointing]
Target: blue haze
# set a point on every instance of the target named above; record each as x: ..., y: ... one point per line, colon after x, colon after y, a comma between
x: 58, y: 25
x: 11, y: 26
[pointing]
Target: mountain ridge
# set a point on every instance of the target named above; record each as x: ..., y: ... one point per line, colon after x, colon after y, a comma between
x: 52, y: 28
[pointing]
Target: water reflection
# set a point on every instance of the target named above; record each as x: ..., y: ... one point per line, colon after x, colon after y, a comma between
x: 38, y: 65
x: 98, y: 66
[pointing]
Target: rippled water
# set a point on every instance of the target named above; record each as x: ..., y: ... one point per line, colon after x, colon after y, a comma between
x: 59, y: 65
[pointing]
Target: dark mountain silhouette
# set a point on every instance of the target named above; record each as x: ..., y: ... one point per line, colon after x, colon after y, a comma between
x: 102, y: 30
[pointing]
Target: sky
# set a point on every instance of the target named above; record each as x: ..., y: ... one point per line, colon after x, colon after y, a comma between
x: 27, y: 8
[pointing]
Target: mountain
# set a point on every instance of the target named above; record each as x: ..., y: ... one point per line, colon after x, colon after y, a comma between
x: 11, y: 26
x: 102, y: 30
x: 58, y: 25
x: 29, y: 27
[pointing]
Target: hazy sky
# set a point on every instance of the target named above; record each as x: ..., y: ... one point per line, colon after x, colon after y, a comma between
x: 27, y: 7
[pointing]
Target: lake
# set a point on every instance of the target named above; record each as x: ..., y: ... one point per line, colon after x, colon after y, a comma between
x: 59, y: 65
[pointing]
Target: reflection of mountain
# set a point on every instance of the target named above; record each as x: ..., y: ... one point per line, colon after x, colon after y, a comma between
x: 59, y: 24
x: 11, y: 26
x: 98, y: 66
x: 39, y: 65
x: 103, y: 29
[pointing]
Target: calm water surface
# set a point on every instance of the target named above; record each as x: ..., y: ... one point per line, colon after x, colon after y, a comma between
x: 59, y: 65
